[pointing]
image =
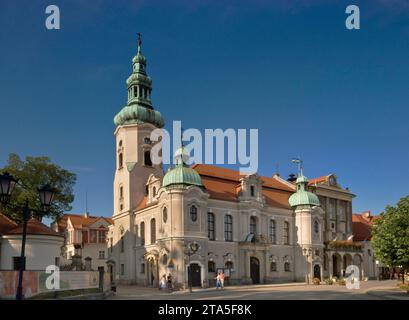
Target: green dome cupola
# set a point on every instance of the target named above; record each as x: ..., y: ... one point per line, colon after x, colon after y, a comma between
x: 139, y: 108
x: 302, y: 197
x: 182, y: 175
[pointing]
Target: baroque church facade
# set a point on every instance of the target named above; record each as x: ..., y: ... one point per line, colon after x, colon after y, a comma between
x: 256, y: 229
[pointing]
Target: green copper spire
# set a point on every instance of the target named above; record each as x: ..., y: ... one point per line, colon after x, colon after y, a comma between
x: 302, y: 197
x: 139, y: 108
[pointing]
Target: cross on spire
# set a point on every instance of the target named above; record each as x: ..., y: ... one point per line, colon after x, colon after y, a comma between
x: 139, y: 42
x: 299, y: 162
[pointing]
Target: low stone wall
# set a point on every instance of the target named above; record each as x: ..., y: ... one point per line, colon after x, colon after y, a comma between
x: 37, y: 282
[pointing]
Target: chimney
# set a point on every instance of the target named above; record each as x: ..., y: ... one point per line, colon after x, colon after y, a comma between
x: 366, y: 215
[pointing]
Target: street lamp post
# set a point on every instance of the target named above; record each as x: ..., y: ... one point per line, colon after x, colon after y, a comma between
x: 192, y: 248
x: 46, y: 195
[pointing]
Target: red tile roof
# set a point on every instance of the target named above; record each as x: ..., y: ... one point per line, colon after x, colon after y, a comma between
x: 34, y: 227
x: 79, y: 220
x: 318, y: 180
x: 362, y: 226
x: 223, y: 184
x: 6, y: 224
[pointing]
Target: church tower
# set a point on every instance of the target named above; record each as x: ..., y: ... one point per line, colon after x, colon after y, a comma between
x: 309, y: 230
x: 134, y: 124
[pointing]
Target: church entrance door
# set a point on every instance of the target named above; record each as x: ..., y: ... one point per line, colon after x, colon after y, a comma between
x: 317, y: 271
x: 196, y: 275
x: 255, y: 270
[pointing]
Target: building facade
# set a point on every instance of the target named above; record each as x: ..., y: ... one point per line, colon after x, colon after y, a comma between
x: 86, y: 238
x: 43, y: 245
x: 257, y: 229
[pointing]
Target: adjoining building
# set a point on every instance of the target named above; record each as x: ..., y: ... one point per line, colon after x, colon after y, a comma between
x: 43, y: 245
x: 86, y: 238
x: 257, y: 229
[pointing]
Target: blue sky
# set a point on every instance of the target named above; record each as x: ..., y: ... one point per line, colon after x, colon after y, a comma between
x: 337, y: 98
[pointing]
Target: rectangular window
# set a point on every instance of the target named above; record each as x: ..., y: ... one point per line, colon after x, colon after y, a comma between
x: 93, y: 236
x: 122, y: 269
x: 210, y: 226
x: 102, y: 254
x: 111, y: 244
x: 273, y: 234
x: 102, y: 236
x: 122, y: 244
x: 85, y: 236
x: 228, y: 227
x: 286, y: 233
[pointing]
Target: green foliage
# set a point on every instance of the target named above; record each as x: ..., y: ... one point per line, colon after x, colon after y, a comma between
x: 33, y: 173
x: 316, y: 281
x: 390, y: 235
x: 341, y: 282
x: 405, y: 287
x: 329, y: 281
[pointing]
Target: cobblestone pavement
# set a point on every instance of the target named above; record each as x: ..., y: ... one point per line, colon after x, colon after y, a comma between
x: 369, y: 290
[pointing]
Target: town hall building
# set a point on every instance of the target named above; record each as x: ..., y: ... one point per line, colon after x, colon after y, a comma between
x: 256, y: 229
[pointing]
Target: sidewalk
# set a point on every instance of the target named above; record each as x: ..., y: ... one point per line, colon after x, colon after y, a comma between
x: 138, y: 291
x: 388, y: 293
x: 253, y: 286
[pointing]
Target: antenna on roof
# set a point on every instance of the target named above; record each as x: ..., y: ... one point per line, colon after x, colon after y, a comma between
x: 278, y: 168
x: 86, y: 205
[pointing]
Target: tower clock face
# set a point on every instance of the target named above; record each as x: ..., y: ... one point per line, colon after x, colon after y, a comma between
x: 332, y: 181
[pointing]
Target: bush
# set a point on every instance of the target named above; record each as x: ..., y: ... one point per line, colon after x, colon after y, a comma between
x: 316, y: 281
x: 341, y: 282
x: 329, y: 281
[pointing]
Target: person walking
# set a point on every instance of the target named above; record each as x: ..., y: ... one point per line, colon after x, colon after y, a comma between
x: 218, y: 283
x: 169, y: 282
x: 222, y: 280
x: 162, y: 284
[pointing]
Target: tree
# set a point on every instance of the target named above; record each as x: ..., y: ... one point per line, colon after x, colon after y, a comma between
x: 34, y: 172
x: 390, y: 236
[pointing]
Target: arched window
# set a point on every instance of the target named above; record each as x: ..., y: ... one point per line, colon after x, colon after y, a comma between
x: 153, y: 231
x: 120, y: 143
x: 147, y: 158
x: 135, y: 91
x: 210, y: 226
x: 287, y: 267
x: 273, y: 266
x: 228, y: 265
x: 193, y: 213
x: 142, y: 231
x: 165, y: 214
x: 120, y: 161
x: 252, y: 193
x: 273, y: 234
x: 286, y: 233
x: 253, y: 225
x: 228, y: 227
x: 211, y: 266
x: 154, y: 191
x: 316, y: 227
